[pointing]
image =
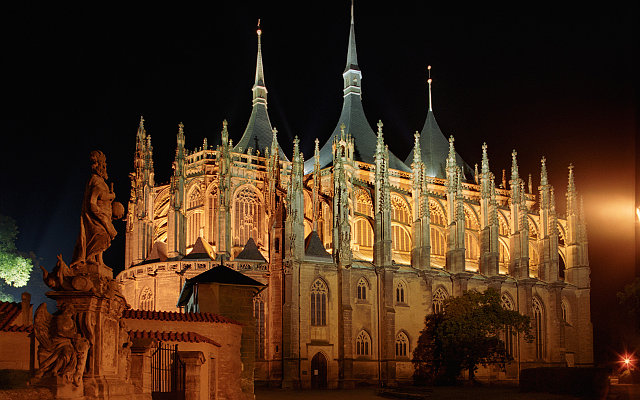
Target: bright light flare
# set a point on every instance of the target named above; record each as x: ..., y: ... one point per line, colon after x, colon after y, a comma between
x: 638, y: 213
x: 627, y: 361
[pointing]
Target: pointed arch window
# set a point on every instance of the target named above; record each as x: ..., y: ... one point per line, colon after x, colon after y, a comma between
x: 363, y: 344
x: 402, y: 345
x: 362, y: 289
x: 401, y: 292
x: 400, y: 210
x: 539, y: 328
x: 248, y: 217
x: 194, y: 216
x: 319, y: 292
x: 401, y: 240
x: 509, y: 336
x: 146, y: 300
x: 438, y: 300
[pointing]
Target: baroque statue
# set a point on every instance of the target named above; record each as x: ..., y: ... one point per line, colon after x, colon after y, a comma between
x: 98, y: 210
x: 86, y: 334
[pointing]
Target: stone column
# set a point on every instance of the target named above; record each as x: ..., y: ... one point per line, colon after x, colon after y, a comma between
x: 141, y: 364
x: 193, y: 361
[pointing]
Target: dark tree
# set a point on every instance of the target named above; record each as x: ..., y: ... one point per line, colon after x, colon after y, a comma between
x: 629, y: 299
x: 466, y: 334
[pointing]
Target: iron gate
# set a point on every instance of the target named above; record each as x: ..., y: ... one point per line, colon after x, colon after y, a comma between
x: 167, y: 373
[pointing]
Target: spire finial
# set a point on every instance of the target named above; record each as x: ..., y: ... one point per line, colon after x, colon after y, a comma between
x: 514, y: 166
x: 380, y: 125
x: 429, y: 81
x: 417, y: 155
x: 485, y: 159
x: 543, y: 172
x: 351, y: 12
x: 259, y: 88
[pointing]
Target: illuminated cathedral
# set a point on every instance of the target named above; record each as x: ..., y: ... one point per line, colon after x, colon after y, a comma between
x: 357, y: 245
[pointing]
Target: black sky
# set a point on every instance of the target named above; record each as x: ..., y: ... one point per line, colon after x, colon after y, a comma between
x: 547, y: 82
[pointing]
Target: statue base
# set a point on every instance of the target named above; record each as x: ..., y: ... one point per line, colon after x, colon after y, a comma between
x: 97, y: 318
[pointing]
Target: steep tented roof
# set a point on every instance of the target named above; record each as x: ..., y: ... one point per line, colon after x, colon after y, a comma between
x: 201, y: 251
x: 314, y: 248
x: 250, y: 253
x: 434, y: 149
x: 259, y: 133
x: 220, y: 274
x: 353, y: 118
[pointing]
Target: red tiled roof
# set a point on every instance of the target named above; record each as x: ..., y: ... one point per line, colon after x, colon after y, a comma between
x: 190, y: 337
x: 17, y: 328
x: 176, y: 316
x: 8, y: 312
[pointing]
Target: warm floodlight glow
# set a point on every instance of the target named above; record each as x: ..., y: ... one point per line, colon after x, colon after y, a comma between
x: 627, y: 361
x: 638, y: 212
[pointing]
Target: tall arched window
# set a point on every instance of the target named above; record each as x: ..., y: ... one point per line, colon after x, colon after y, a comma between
x: 194, y: 216
x: 212, y: 199
x: 261, y: 325
x: 401, y: 240
x: 248, y: 217
x: 363, y: 344
x: 146, y: 300
x: 509, y: 335
x: 437, y: 224
x: 471, y: 246
x: 438, y: 300
x: 400, y: 210
x: 401, y: 292
x: 364, y: 233
x: 565, y: 316
x: 402, y: 345
x: 539, y: 331
x: 319, y: 293
x: 533, y: 260
x: 362, y: 289
x: 438, y: 242
x: 503, y: 258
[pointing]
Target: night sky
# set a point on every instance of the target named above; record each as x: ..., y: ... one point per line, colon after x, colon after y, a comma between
x: 557, y: 84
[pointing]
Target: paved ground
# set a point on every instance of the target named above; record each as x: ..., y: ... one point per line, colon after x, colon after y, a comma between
x: 439, y: 393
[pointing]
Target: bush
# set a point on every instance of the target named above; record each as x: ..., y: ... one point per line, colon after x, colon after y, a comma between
x: 585, y: 382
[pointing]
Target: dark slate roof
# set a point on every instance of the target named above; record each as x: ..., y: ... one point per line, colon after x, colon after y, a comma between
x: 177, y: 316
x: 250, y: 253
x: 434, y: 149
x: 258, y: 133
x: 201, y: 251
x: 220, y: 274
x: 313, y: 247
x: 364, y: 138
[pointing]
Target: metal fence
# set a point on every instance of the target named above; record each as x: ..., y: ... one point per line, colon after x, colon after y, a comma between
x: 167, y: 373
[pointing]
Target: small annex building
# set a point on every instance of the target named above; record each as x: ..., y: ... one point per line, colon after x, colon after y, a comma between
x: 16, y: 335
x: 224, y: 291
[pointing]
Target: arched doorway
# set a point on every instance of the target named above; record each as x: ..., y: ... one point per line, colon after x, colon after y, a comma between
x: 319, y: 371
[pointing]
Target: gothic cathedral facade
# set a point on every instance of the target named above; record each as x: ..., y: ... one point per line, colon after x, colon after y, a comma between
x: 357, y: 246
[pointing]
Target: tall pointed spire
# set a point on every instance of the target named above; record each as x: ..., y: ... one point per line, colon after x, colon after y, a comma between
x: 433, y: 145
x: 258, y: 133
x: 353, y: 117
x: 259, y: 88
x: 352, y: 55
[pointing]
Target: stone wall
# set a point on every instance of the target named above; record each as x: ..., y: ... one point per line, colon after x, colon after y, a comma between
x: 226, y: 364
